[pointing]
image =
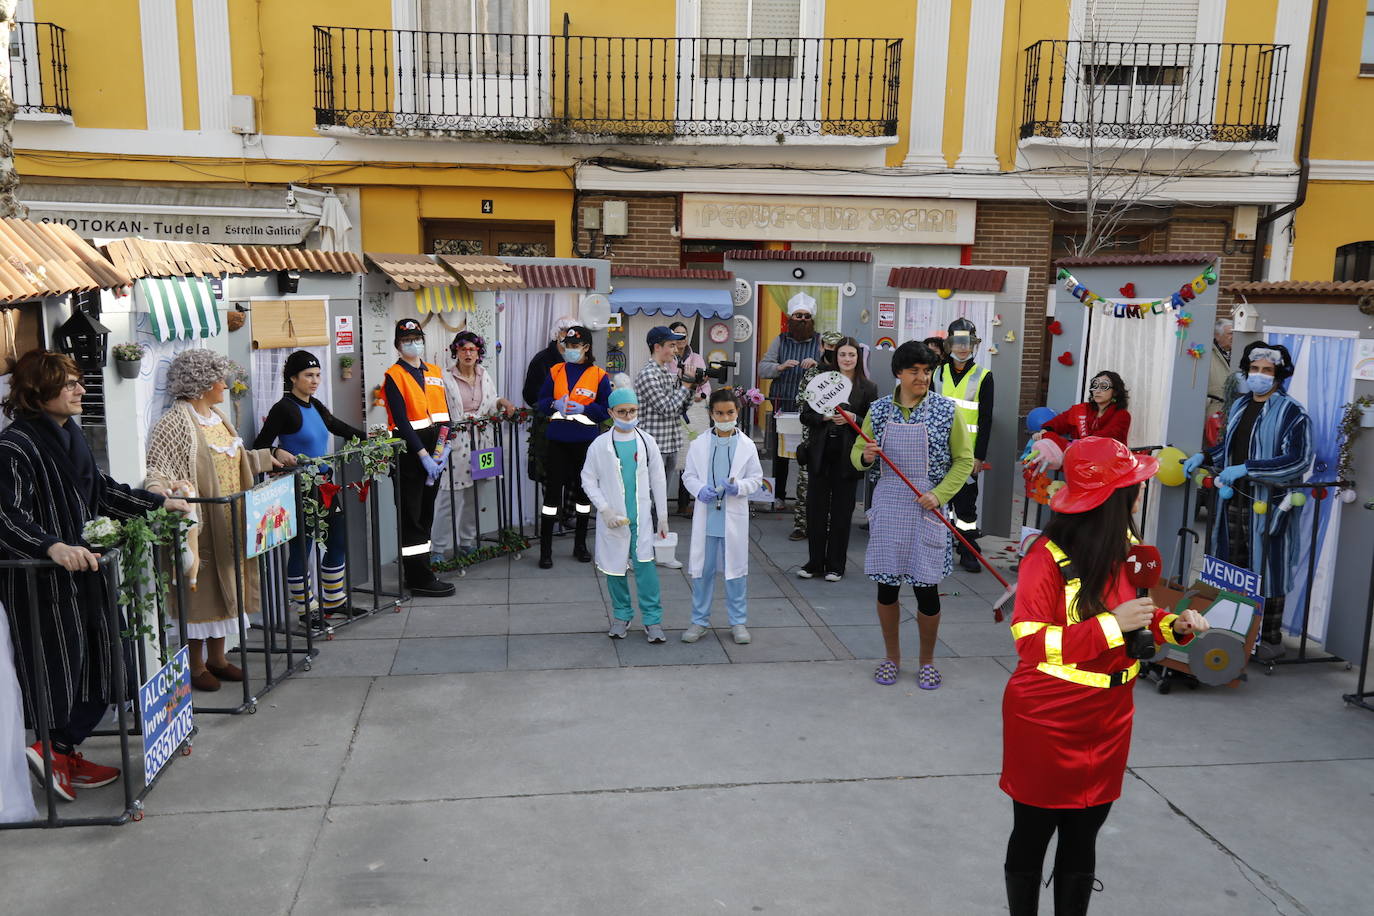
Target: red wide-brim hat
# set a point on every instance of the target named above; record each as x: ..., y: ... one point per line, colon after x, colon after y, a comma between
x: 1094, y: 469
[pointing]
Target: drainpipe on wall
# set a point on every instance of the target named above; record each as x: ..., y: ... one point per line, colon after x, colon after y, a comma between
x: 1309, y: 104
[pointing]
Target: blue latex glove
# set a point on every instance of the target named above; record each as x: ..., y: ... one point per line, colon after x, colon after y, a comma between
x: 732, y: 489
x: 573, y: 408
x: 559, y: 404
x: 707, y: 494
x: 1192, y: 464
x: 1231, y: 474
x: 432, y: 468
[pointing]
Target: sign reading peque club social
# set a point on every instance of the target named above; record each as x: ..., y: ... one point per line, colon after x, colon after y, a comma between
x: 828, y: 219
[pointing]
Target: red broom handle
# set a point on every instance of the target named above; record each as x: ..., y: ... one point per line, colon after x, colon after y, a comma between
x: 848, y: 418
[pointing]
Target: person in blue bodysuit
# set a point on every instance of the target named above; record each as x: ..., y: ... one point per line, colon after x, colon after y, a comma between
x: 299, y: 424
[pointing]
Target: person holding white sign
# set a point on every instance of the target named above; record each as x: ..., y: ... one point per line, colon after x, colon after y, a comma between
x: 722, y: 470
x: 832, y: 480
x: 907, y: 544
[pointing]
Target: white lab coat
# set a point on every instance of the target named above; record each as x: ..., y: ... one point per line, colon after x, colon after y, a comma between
x: 748, y: 475
x: 606, y: 489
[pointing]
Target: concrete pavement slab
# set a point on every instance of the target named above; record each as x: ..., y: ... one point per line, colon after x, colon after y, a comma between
x: 233, y: 862
x: 450, y: 654
x: 382, y: 625
x: 498, y: 568
x: 560, y: 617
x: 546, y: 588
x: 1306, y: 829
x: 475, y: 591
x: 354, y: 658
x: 968, y: 638
x: 459, y: 620
x: 763, y: 612
x: 866, y: 641
x: 776, y: 644
x: 567, y: 650
x: 544, y: 731
x: 705, y: 651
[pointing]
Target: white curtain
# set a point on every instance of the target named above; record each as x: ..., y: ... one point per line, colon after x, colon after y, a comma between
x: 924, y: 317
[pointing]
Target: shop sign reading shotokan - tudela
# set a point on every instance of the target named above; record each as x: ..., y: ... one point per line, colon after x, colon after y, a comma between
x: 828, y: 219
x: 228, y: 230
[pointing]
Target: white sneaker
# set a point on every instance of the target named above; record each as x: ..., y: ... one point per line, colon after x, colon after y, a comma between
x: 654, y: 633
x: 618, y: 628
x: 805, y: 573
x: 741, y: 634
x: 694, y: 632
x: 833, y: 577
x: 671, y: 564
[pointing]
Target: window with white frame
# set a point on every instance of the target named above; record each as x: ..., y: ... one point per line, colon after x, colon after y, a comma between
x: 750, y: 38
x: 1367, y: 48
x: 1115, y: 27
x: 464, y: 37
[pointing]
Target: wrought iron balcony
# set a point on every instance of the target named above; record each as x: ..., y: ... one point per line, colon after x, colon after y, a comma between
x: 38, y: 68
x: 541, y: 87
x: 1131, y: 91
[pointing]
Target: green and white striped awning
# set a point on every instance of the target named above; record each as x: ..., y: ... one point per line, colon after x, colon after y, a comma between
x: 180, y: 307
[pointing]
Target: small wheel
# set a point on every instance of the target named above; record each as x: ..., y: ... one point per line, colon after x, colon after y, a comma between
x: 186, y: 750
x: 1165, y: 686
x: 517, y: 554
x: 1348, y: 666
x: 1268, y: 670
x: 329, y: 636
x: 306, y: 666
x: 253, y: 710
x: 137, y: 816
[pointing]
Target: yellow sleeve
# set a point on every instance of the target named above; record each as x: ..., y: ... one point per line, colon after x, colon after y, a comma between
x: 961, y: 464
x: 856, y: 452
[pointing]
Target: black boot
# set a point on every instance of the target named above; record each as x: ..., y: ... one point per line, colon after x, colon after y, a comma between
x: 422, y: 582
x: 580, y: 551
x: 1072, y: 893
x: 967, y: 560
x: 546, y: 523
x: 1023, y: 892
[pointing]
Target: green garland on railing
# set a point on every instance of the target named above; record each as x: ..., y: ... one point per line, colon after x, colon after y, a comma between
x: 143, y: 585
x: 508, y: 540
x: 1350, y: 431
x: 375, y: 454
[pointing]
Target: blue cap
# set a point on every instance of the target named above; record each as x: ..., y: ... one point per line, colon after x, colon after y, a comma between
x: 661, y: 334
x: 621, y: 396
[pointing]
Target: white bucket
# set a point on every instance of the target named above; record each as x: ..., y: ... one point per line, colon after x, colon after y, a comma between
x: 665, y: 548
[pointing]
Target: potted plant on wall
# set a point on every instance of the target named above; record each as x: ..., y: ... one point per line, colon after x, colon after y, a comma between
x: 345, y: 367
x: 129, y: 359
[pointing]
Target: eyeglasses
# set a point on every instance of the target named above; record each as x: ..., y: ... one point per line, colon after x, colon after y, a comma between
x: 1100, y: 386
x: 468, y: 348
x: 72, y: 384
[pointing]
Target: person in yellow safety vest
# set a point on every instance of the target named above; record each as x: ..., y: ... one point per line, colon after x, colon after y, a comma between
x: 416, y: 406
x: 969, y: 385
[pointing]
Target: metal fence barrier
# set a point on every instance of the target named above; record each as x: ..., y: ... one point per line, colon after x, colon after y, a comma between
x: 496, y: 455
x: 128, y: 642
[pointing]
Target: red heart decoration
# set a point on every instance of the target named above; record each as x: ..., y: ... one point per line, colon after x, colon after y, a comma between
x: 1128, y: 290
x: 1055, y: 328
x: 327, y: 493
x: 1066, y: 358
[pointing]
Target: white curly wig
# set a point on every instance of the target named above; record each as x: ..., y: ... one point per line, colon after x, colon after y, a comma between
x: 193, y: 372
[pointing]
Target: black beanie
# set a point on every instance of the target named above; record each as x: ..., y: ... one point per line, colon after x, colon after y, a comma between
x: 297, y: 363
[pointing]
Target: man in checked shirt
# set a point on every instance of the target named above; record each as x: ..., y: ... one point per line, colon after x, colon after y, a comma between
x: 663, y: 396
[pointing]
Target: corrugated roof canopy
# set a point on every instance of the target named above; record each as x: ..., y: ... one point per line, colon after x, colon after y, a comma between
x: 483, y: 273
x: 412, y: 271
x: 671, y: 273
x: 1324, y: 288
x: 160, y: 258
x: 49, y: 259
x: 967, y: 279
x: 275, y: 257
x: 556, y: 276
x: 759, y: 254
x: 1163, y: 259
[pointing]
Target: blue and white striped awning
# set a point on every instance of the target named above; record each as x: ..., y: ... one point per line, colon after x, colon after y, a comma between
x: 179, y: 307
x: 708, y: 303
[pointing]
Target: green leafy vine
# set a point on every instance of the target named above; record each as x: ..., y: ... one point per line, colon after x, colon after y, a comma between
x: 143, y: 584
x: 375, y: 455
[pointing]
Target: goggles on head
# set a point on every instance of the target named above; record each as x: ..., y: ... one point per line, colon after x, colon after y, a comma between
x: 1274, y: 356
x: 1100, y: 385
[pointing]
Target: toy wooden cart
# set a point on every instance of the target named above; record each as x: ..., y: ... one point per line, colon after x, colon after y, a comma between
x: 1216, y: 658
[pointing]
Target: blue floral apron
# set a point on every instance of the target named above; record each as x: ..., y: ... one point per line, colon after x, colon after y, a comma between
x: 907, y: 545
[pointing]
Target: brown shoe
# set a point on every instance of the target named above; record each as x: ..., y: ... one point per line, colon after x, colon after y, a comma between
x: 205, y: 681
x: 226, y: 672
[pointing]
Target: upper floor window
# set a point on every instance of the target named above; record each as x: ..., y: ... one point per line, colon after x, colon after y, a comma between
x: 1130, y: 21
x: 1367, y: 49
x: 750, y: 38
x: 463, y: 37
x: 1353, y: 261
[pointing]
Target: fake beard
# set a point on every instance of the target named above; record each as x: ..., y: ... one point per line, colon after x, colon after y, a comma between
x: 801, y: 330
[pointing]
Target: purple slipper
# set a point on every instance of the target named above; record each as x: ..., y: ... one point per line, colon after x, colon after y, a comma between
x: 928, y: 678
x: 886, y: 673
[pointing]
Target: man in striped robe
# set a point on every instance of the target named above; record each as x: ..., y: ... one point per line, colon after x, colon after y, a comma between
x: 789, y: 355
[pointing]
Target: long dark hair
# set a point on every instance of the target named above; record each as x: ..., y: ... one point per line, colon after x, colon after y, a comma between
x: 1096, y: 542
x: 859, y: 374
x: 1121, y: 397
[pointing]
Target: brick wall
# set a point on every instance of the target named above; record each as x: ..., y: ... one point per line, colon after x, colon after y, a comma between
x: 1209, y: 229
x: 651, y: 242
x: 1019, y: 235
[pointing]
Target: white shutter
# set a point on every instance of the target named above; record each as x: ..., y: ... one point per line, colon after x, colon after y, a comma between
x: 775, y: 18
x: 1139, y: 20
x: 446, y: 15
x: 724, y: 18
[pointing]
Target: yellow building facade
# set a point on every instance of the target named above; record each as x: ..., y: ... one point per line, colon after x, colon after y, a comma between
x: 502, y: 126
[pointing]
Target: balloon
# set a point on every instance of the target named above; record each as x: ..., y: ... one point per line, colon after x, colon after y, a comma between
x: 1347, y: 495
x: 1170, y: 471
x: 1260, y: 507
x: 1226, y: 492
x: 1297, y: 499
x: 1037, y: 418
x: 1200, y: 478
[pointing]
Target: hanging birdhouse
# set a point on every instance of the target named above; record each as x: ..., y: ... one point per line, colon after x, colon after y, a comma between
x: 1246, y: 317
x: 83, y: 339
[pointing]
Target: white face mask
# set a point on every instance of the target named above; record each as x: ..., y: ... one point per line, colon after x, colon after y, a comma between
x: 726, y: 426
x: 413, y: 348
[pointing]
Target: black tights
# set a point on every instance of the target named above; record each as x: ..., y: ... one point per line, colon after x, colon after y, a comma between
x: 1032, y: 828
x: 927, y: 597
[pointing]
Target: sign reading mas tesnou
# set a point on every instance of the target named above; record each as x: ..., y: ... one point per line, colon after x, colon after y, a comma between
x: 891, y: 220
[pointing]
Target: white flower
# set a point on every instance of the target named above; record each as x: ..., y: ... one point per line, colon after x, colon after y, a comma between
x: 101, y: 531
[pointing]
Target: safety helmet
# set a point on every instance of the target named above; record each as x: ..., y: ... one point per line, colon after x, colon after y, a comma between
x: 962, y: 327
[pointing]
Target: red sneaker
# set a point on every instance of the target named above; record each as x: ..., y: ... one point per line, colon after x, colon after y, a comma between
x: 61, y: 774
x: 87, y: 775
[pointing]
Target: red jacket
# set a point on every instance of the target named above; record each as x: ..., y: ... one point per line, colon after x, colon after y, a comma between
x: 1082, y: 420
x: 1065, y: 744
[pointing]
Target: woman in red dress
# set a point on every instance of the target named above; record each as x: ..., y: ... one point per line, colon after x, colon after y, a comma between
x: 1066, y: 713
x: 1102, y: 414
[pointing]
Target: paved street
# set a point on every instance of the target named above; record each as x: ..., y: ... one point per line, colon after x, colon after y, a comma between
x: 498, y: 754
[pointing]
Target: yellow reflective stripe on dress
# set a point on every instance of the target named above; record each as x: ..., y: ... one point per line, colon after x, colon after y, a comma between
x: 1054, y: 645
x: 1026, y: 628
x: 1166, y: 627
x: 1112, y: 630
x: 1070, y: 585
x: 1087, y: 678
